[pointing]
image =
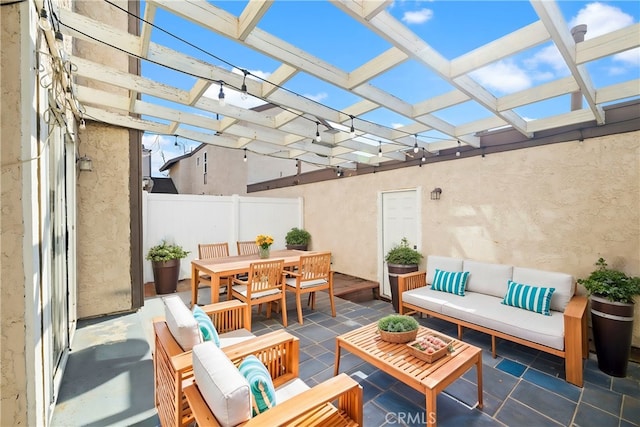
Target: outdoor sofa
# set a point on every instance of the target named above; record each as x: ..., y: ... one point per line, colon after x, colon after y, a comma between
x: 504, y: 301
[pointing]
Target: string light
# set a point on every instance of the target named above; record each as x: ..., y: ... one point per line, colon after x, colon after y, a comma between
x: 221, y: 95
x: 458, y: 151
x: 380, y: 149
x: 43, y: 22
x: 415, y: 145
x: 243, y: 90
x: 245, y: 156
x: 59, y: 39
x: 424, y: 155
x: 352, y: 131
x: 83, y: 125
x: 318, y: 137
x: 338, y: 171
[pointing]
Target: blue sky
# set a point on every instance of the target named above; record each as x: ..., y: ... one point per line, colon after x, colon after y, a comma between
x: 452, y: 28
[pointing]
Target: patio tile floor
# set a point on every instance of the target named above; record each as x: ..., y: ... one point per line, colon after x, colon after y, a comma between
x: 109, y: 375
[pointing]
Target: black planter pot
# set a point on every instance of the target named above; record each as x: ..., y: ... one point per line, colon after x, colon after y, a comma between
x: 165, y: 275
x: 298, y: 247
x: 612, y: 324
x: 394, y: 271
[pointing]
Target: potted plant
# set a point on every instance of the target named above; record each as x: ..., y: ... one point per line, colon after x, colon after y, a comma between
x: 398, y: 328
x: 611, y: 293
x: 401, y: 259
x: 165, y: 260
x: 297, y: 238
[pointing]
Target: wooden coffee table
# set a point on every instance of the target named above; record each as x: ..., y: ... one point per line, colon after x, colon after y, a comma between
x: 395, y: 360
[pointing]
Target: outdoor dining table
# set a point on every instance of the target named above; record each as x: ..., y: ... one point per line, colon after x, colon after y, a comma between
x: 232, y: 265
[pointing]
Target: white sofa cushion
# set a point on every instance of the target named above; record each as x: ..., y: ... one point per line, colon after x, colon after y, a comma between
x: 181, y: 323
x: 563, y: 283
x: 489, y: 312
x: 222, y: 386
x: 290, y: 388
x: 427, y: 298
x: 487, y: 278
x: 234, y: 337
x: 442, y: 263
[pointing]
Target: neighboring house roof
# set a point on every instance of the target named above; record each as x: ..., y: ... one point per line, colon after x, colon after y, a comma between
x: 163, y: 185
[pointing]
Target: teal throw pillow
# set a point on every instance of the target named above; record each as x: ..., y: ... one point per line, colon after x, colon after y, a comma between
x: 207, y: 328
x: 449, y: 281
x: 528, y: 297
x: 263, y: 394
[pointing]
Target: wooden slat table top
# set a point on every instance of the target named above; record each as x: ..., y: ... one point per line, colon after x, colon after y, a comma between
x: 240, y: 263
x: 365, y: 342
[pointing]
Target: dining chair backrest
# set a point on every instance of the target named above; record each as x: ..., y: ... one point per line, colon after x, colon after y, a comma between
x: 248, y: 247
x: 213, y: 250
x: 265, y: 275
x: 315, y: 266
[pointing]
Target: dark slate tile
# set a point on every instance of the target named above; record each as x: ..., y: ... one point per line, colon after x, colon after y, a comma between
x: 631, y: 409
x: 464, y: 391
x: 317, y: 333
x: 597, y: 377
x: 382, y: 380
x: 604, y: 399
x: 587, y: 415
x: 374, y: 416
x: 549, y: 404
x: 626, y: 386
x: 397, y: 404
x: 311, y: 367
x: 497, y: 383
x: 556, y: 385
x: 327, y: 358
x: 369, y: 390
x: 514, y: 413
x: 514, y: 368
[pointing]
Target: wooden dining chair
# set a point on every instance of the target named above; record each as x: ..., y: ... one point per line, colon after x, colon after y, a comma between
x: 248, y: 247
x: 211, y: 251
x: 313, y: 274
x: 264, y: 284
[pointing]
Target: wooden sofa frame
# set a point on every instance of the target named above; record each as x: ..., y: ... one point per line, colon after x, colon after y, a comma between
x: 575, y: 328
x: 172, y: 365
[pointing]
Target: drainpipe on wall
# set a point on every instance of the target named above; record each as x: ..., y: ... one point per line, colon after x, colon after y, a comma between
x: 578, y: 33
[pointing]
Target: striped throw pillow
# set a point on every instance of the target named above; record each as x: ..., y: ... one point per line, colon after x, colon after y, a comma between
x: 207, y: 328
x: 449, y: 281
x: 528, y: 297
x: 263, y: 394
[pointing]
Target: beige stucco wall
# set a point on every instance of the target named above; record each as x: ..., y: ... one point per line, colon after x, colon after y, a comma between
x: 557, y: 207
x: 13, y: 410
x: 103, y: 211
x: 104, y: 235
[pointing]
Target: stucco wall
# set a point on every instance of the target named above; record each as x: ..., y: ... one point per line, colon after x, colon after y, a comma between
x: 13, y: 410
x: 557, y: 207
x: 104, y: 230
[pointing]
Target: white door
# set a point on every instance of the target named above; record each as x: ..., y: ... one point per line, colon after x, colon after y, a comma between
x: 400, y: 218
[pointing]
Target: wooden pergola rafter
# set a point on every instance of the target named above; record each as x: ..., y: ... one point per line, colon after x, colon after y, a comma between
x: 285, y: 126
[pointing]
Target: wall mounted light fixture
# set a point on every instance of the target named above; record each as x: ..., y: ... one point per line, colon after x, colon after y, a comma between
x: 85, y: 164
x: 435, y: 193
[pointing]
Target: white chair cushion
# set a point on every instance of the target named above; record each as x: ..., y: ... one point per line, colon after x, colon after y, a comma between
x: 289, y: 389
x: 222, y: 386
x: 488, y: 311
x: 563, y: 283
x: 307, y: 284
x: 234, y: 337
x: 442, y: 263
x: 242, y: 289
x: 181, y: 323
x: 487, y: 278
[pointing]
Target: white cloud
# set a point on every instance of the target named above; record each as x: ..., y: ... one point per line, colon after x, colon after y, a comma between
x: 629, y: 57
x: 502, y: 77
x: 396, y: 125
x: 318, y: 97
x: 417, y: 16
x: 163, y: 149
x: 600, y: 18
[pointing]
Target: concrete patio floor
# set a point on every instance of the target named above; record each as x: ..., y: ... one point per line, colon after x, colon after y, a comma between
x: 109, y: 375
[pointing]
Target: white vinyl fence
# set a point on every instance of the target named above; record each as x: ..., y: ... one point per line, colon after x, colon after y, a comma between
x: 188, y: 220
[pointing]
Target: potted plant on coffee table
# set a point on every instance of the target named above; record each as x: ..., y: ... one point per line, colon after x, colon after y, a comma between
x: 165, y: 260
x: 400, y: 259
x: 398, y: 328
x: 612, y: 295
x: 297, y: 238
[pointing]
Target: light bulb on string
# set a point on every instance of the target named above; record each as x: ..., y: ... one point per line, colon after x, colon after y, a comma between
x: 352, y: 131
x: 43, y: 22
x: 318, y: 137
x: 243, y: 90
x: 221, y: 95
x: 458, y: 151
x: 424, y: 155
x: 380, y: 149
x: 415, y: 145
x: 245, y: 156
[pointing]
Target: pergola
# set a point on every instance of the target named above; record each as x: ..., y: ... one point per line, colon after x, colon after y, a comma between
x: 286, y: 123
